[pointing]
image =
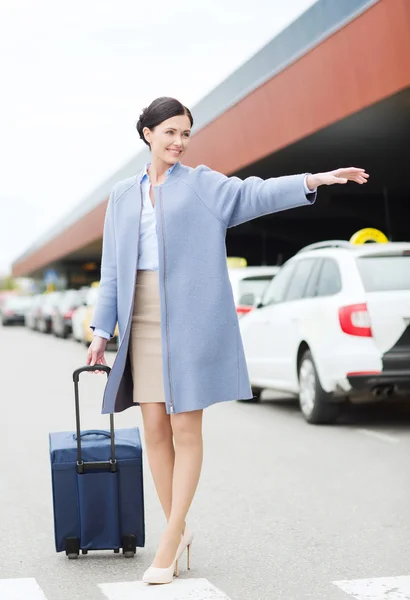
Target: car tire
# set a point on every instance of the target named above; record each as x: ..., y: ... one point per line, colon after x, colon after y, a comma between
x: 313, y: 400
x: 256, y: 396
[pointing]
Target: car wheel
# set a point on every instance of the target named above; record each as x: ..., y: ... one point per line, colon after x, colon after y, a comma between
x: 313, y: 400
x: 256, y: 396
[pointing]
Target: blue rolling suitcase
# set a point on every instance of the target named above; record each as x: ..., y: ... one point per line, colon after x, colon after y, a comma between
x: 97, y: 484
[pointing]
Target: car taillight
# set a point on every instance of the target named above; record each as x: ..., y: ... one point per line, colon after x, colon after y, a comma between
x: 68, y: 314
x: 355, y: 320
x: 243, y: 310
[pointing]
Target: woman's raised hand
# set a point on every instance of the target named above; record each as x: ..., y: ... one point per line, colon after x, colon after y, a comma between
x: 337, y: 176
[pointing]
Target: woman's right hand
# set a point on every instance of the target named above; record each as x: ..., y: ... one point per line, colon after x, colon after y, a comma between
x: 95, y: 355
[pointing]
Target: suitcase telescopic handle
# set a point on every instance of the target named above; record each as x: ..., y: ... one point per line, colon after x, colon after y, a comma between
x: 77, y: 372
x: 81, y: 465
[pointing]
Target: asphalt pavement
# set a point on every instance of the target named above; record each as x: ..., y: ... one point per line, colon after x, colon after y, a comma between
x: 284, y: 510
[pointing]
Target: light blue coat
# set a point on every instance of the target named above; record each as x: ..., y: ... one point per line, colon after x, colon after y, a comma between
x: 203, y: 357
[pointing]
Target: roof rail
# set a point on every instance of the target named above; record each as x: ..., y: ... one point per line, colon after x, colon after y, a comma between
x: 327, y: 244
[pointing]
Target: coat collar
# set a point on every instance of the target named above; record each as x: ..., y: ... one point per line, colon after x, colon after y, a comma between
x: 144, y: 172
x: 172, y: 174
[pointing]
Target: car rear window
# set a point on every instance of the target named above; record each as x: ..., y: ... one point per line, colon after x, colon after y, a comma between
x: 70, y: 299
x: 17, y: 302
x: 385, y: 273
x: 255, y: 285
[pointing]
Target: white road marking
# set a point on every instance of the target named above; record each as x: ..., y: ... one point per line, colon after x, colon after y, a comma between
x: 180, y: 589
x: 382, y: 588
x: 20, y: 589
x: 384, y: 437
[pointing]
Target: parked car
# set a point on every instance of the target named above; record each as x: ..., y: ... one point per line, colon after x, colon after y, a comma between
x: 46, y: 311
x: 4, y: 294
x: 248, y: 286
x: 334, y: 325
x: 13, y: 310
x: 82, y: 316
x: 77, y: 322
x: 33, y: 312
x: 61, y: 319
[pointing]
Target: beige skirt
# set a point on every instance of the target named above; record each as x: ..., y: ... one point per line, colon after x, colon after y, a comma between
x: 145, y: 340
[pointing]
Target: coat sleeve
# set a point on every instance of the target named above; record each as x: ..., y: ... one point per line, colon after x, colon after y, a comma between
x: 234, y: 201
x: 105, y: 310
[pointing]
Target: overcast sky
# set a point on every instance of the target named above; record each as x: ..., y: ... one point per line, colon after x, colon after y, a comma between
x: 75, y: 75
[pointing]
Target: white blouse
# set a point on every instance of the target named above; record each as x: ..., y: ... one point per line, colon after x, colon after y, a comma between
x: 148, y: 246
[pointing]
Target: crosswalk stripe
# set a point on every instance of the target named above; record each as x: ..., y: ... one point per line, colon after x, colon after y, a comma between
x: 388, y: 588
x: 20, y: 589
x: 180, y: 589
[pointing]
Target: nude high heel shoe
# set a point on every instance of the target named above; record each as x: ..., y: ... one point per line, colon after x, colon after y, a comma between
x: 159, y: 575
x: 186, y: 541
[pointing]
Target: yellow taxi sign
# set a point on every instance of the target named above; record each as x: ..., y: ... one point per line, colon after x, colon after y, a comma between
x: 369, y: 234
x: 235, y: 262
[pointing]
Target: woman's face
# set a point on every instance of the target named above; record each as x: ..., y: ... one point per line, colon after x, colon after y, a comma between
x: 169, y: 140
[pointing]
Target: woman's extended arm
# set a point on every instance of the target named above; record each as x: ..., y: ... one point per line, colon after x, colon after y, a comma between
x: 234, y: 201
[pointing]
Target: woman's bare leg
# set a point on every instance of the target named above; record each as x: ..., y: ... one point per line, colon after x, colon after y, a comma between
x: 187, y: 430
x: 160, y: 450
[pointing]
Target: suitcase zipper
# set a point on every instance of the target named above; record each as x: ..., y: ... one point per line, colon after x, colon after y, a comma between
x: 171, y: 404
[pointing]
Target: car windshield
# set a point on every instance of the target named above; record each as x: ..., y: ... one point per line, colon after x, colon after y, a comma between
x: 255, y: 285
x: 385, y: 273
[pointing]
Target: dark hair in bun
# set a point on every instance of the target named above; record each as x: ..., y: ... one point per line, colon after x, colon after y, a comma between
x: 160, y: 110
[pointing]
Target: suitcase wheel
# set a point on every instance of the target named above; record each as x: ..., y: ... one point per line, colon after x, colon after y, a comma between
x: 116, y: 550
x: 129, y: 545
x: 84, y: 551
x: 72, y: 547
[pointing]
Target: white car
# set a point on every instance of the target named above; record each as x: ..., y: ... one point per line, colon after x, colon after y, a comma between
x: 248, y: 285
x: 79, y: 314
x: 333, y: 325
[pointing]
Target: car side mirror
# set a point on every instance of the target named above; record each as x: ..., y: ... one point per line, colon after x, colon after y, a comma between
x: 258, y: 302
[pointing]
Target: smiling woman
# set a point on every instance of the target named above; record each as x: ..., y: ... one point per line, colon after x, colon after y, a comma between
x: 165, y: 126
x: 164, y: 278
